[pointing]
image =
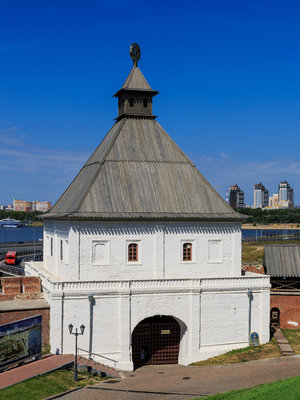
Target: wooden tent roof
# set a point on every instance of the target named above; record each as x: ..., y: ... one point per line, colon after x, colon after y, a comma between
x: 138, y: 172
x: 136, y: 82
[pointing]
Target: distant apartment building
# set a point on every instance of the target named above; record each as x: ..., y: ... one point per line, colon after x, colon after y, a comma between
x: 42, y: 206
x: 273, y: 201
x: 284, y: 198
x: 22, y: 205
x: 236, y: 197
x: 285, y: 195
x: 9, y: 207
x: 28, y: 206
x: 261, y: 196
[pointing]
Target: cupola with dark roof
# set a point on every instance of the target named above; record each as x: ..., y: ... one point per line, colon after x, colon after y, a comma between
x: 135, y: 96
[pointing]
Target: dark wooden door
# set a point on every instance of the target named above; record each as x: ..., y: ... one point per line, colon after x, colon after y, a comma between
x: 156, y: 341
x: 165, y: 343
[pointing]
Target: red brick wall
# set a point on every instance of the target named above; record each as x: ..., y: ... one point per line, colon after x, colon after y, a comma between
x: 289, y: 308
x: 12, y: 316
x: 23, y: 287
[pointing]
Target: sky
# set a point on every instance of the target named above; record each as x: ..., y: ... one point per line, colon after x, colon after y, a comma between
x: 227, y: 72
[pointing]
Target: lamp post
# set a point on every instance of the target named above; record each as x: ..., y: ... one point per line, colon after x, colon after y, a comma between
x: 76, y: 333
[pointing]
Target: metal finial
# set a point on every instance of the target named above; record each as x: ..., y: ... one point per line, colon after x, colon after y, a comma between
x: 135, y: 53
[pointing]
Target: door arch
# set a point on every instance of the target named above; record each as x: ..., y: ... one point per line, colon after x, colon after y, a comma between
x: 156, y: 340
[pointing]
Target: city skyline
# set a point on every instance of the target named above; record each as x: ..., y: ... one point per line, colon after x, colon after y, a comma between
x: 277, y: 199
x: 227, y: 75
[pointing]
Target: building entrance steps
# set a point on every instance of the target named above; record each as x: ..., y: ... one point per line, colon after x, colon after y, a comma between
x: 96, y: 368
x: 283, y: 343
x: 35, y: 368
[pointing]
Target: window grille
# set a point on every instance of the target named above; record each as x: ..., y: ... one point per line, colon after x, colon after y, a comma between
x: 133, y: 252
x: 187, y: 252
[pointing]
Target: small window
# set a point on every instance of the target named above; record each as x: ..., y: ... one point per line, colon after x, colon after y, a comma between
x: 145, y: 102
x: 131, y: 102
x: 66, y: 252
x: 51, y: 246
x: 133, y: 252
x: 187, y: 252
x: 61, y: 250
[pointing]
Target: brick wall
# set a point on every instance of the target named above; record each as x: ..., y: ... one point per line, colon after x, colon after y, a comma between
x: 15, y: 315
x: 289, y: 308
x: 20, y: 289
x: 23, y: 287
x: 287, y: 303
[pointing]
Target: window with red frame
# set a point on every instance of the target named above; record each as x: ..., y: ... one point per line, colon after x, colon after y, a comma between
x: 187, y: 252
x: 133, y: 252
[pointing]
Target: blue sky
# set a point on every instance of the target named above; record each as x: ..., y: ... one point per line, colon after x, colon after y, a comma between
x: 227, y: 72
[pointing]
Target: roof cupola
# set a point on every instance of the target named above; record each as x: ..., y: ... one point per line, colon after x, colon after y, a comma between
x: 135, y: 96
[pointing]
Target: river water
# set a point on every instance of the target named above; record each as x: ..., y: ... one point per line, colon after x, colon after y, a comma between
x: 269, y: 233
x: 25, y: 234
x: 31, y: 234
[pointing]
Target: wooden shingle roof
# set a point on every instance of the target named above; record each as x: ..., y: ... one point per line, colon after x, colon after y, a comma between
x: 138, y: 172
x: 136, y: 80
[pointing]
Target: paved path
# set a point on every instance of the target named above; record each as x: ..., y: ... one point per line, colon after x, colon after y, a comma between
x: 34, y: 368
x: 176, y: 382
x: 283, y: 343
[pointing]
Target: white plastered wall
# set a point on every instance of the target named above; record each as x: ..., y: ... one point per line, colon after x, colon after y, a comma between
x: 159, y: 244
x: 213, y: 315
x: 211, y: 321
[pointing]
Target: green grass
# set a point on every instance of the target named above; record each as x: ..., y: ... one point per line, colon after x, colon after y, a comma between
x: 46, y: 385
x: 293, y: 336
x: 268, y: 350
x: 252, y: 253
x: 287, y: 389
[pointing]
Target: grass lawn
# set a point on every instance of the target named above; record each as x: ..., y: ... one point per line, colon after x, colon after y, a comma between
x: 46, y: 385
x: 252, y: 253
x: 268, y: 350
x: 293, y: 336
x: 287, y: 389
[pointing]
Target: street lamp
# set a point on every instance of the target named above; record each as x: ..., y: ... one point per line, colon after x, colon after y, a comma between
x: 76, y: 333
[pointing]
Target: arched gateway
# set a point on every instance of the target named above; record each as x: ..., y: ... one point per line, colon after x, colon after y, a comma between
x: 156, y: 340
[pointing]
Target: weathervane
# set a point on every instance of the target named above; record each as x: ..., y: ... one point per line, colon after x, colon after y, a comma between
x: 135, y: 53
